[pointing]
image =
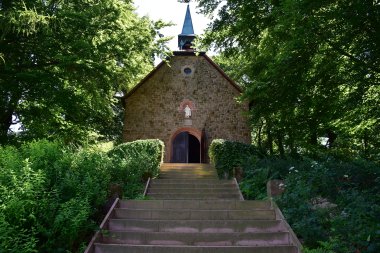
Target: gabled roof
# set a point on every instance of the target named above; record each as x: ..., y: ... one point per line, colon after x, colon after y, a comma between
x: 184, y: 53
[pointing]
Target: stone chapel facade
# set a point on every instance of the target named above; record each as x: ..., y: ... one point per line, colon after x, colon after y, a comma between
x: 186, y: 104
x: 155, y: 108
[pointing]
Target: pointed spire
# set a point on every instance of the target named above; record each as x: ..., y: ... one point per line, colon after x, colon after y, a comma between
x: 187, y: 36
x: 188, y: 23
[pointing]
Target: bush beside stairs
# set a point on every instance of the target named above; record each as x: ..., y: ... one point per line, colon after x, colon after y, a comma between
x: 191, y: 211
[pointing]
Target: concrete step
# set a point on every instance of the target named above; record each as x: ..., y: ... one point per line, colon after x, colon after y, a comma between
x: 194, y: 226
x: 186, y: 165
x: 196, y: 204
x: 123, y: 248
x: 188, y: 170
x: 224, y: 190
x: 190, y: 181
x: 212, y: 170
x: 183, y: 175
x: 170, y: 214
x: 205, y: 196
x: 164, y: 169
x: 196, y: 239
x: 199, y: 185
x: 187, y: 176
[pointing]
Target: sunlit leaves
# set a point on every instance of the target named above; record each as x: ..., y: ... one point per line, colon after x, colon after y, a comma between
x: 62, y: 63
x: 310, y: 68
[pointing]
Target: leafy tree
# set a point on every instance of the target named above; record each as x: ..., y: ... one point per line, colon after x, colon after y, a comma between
x: 310, y: 69
x: 62, y: 62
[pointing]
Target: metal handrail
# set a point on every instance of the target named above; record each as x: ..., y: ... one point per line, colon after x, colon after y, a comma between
x: 90, y: 247
x: 237, y: 186
x: 146, y: 187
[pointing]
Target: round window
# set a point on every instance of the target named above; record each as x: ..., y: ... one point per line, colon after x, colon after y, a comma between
x: 187, y: 71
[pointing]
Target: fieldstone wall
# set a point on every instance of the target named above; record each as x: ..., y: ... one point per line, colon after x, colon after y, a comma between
x: 155, y: 108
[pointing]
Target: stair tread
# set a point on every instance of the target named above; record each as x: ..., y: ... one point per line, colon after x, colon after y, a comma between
x: 215, y: 239
x: 190, y: 246
x: 196, y: 225
x: 196, y: 233
x: 197, y: 204
x: 192, y: 220
x: 119, y: 248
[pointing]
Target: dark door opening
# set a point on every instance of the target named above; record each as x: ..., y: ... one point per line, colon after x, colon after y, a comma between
x: 186, y: 149
x: 194, y: 150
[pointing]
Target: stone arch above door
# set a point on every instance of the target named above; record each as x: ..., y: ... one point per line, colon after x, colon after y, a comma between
x: 193, y: 131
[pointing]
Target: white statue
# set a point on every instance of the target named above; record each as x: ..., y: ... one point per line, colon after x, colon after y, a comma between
x: 187, y: 111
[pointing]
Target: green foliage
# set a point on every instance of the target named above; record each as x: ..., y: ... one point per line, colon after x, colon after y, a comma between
x: 309, y: 69
x: 228, y: 155
x: 63, y: 62
x: 330, y: 201
x: 134, y: 162
x: 52, y: 197
x: 258, y: 170
x: 332, y: 205
x: 352, y: 225
x: 253, y: 184
x: 20, y: 190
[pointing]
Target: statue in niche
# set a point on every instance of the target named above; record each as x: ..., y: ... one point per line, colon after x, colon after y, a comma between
x: 187, y: 111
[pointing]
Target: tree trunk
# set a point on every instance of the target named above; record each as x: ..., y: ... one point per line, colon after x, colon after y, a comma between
x: 365, y: 143
x: 259, y: 139
x: 293, y: 149
x: 280, y: 144
x: 331, y: 138
x: 8, y: 106
x: 270, y: 139
x: 313, y: 140
x: 5, y: 123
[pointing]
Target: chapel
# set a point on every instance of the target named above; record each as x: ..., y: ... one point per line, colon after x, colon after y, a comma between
x: 186, y: 103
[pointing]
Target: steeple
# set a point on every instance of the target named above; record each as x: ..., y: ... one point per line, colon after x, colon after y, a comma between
x: 188, y: 23
x: 187, y: 36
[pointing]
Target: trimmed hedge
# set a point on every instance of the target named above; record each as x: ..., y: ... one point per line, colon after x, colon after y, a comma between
x: 138, y: 159
x: 228, y: 155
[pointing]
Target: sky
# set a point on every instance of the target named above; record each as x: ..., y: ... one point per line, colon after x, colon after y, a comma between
x: 171, y: 11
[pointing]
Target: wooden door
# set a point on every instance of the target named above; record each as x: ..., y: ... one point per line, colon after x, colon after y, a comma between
x: 181, y: 148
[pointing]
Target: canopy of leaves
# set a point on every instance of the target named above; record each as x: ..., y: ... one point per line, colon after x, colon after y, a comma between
x: 310, y: 69
x: 62, y: 62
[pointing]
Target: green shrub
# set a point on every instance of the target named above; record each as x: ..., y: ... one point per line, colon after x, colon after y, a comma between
x: 253, y: 184
x: 229, y: 155
x: 351, y: 223
x: 134, y: 162
x: 21, y: 196
x: 258, y: 170
x: 348, y: 188
x: 146, y: 155
x: 51, y: 196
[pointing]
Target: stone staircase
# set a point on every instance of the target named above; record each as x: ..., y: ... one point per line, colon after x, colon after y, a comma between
x: 191, y: 211
x: 191, y: 181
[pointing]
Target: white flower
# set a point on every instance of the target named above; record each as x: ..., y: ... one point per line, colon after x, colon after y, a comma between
x: 346, y: 176
x: 296, y: 170
x: 291, y: 168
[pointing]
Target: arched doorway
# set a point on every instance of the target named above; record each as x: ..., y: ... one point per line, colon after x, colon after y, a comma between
x: 186, y: 148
